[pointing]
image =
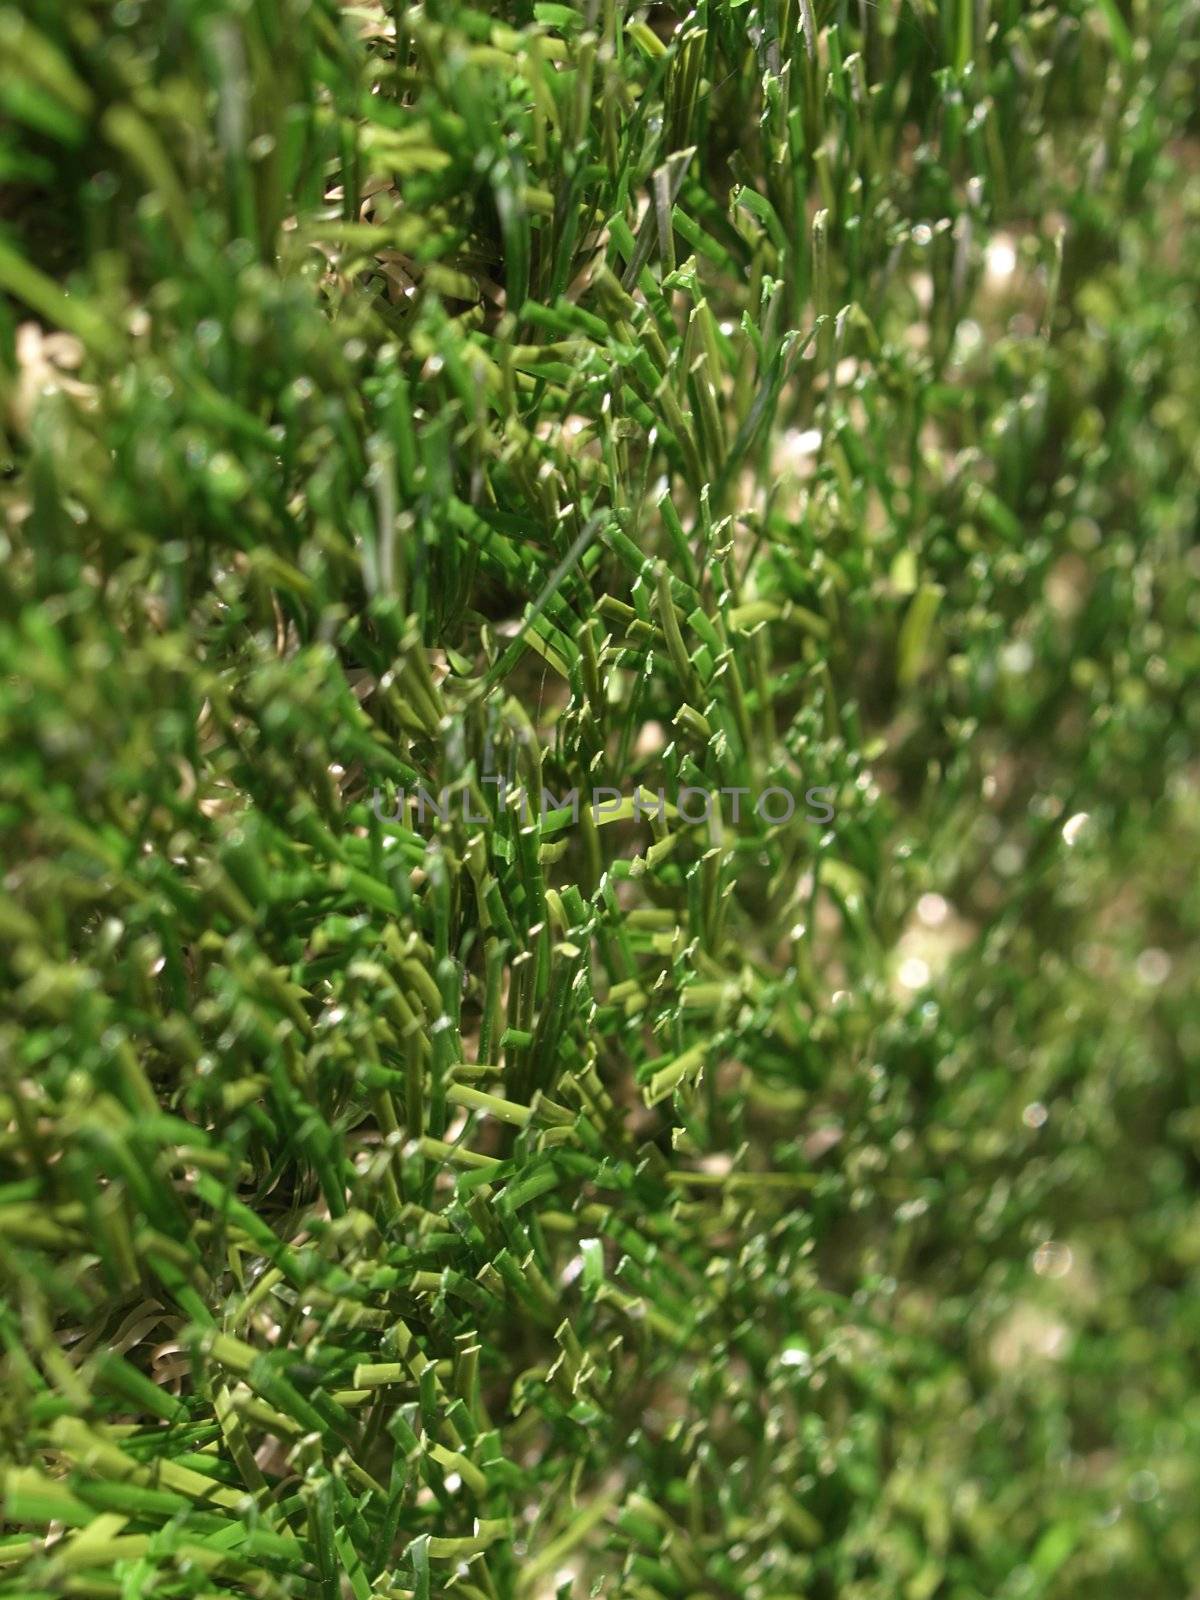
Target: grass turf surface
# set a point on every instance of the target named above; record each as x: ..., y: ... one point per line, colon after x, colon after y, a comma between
x: 767, y: 395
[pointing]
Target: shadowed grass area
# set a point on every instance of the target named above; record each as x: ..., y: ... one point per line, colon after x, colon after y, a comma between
x: 409, y: 1190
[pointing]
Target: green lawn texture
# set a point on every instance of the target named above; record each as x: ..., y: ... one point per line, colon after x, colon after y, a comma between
x: 768, y: 394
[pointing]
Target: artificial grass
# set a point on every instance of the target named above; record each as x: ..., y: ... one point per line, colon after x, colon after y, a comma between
x: 794, y: 396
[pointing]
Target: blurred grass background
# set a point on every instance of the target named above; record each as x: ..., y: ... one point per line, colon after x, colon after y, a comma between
x: 788, y: 392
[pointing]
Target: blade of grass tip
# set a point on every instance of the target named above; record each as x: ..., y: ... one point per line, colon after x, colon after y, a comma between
x: 822, y: 291
x: 916, y: 632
